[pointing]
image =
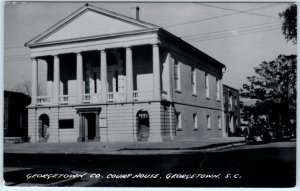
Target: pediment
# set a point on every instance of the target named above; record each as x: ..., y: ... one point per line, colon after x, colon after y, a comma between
x: 90, y: 22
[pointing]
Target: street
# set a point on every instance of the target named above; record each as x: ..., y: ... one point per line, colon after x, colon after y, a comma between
x: 261, y: 165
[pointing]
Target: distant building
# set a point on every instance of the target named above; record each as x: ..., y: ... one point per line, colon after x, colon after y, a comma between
x: 15, y: 114
x: 114, y: 78
x: 232, y: 119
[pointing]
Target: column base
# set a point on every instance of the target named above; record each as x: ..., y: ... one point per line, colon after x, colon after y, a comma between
x: 80, y: 139
x: 155, y: 138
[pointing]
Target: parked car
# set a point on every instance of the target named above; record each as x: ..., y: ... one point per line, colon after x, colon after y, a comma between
x: 262, y: 134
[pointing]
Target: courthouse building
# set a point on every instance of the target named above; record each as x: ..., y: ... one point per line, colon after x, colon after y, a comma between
x: 111, y: 78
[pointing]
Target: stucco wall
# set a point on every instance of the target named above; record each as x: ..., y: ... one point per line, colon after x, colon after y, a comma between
x: 117, y: 122
x: 185, y: 95
x: 188, y: 132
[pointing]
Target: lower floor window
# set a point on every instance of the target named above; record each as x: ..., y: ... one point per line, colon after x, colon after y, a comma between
x: 208, y: 121
x: 66, y: 124
x: 178, y: 121
x: 195, y: 121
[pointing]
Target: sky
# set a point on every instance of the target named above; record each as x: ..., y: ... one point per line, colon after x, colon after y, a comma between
x: 239, y: 35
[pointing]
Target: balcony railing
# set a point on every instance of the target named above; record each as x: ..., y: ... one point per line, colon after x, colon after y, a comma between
x: 115, y: 96
x: 91, y: 98
x: 86, y: 98
x: 67, y: 99
x: 44, y: 100
x: 164, y: 95
x: 142, y: 95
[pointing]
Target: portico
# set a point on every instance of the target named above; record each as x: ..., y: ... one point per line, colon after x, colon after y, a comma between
x: 110, y: 88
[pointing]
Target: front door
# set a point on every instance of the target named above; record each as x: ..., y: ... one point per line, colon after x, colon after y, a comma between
x: 91, y: 126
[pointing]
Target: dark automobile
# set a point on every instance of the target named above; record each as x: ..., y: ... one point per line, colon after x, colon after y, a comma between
x: 262, y: 134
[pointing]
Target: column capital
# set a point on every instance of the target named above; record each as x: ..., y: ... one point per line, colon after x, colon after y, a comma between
x: 128, y: 47
x: 155, y: 45
x: 33, y: 58
x: 78, y: 52
x: 102, y: 49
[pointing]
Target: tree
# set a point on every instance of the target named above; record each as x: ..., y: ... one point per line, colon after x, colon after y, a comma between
x: 289, y: 25
x: 274, y: 90
x: 25, y: 88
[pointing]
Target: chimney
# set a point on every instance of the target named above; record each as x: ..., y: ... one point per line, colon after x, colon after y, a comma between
x: 137, y: 16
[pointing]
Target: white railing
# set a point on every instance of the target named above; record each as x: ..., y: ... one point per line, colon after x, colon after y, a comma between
x: 91, y: 98
x: 44, y: 100
x: 115, y: 96
x: 164, y: 95
x: 110, y: 97
x: 142, y: 95
x: 86, y: 98
x: 67, y: 99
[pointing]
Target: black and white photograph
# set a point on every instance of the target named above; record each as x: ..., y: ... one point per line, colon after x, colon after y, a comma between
x: 149, y: 94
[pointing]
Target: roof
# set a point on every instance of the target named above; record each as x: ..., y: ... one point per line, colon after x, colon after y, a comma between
x: 146, y: 27
x: 83, y: 9
x: 231, y: 88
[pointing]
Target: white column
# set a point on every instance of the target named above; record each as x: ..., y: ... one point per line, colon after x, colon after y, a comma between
x: 156, y: 73
x: 79, y: 76
x: 56, y: 80
x: 168, y: 76
x: 34, y: 81
x: 129, y: 75
x: 103, y: 76
x: 222, y: 109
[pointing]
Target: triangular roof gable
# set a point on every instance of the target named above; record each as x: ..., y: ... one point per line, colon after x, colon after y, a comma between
x: 76, y: 25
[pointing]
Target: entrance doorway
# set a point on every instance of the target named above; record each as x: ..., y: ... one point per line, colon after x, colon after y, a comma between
x: 143, y: 128
x: 90, y: 126
x: 43, y: 128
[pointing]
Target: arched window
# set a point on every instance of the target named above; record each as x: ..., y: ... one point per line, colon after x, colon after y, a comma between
x: 43, y: 128
x: 142, y: 125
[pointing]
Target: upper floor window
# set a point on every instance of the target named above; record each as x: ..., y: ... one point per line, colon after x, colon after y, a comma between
x: 193, y: 79
x: 195, y: 121
x: 218, y: 90
x: 206, y: 85
x: 95, y: 82
x: 178, y: 121
x: 177, y: 75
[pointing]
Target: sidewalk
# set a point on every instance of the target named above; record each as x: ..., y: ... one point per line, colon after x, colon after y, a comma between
x: 98, y: 148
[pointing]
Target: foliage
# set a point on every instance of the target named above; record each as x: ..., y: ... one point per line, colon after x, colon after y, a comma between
x: 25, y: 88
x: 289, y: 25
x: 274, y: 90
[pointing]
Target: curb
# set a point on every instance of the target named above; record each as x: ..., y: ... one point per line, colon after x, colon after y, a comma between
x: 140, y: 151
x: 216, y: 145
